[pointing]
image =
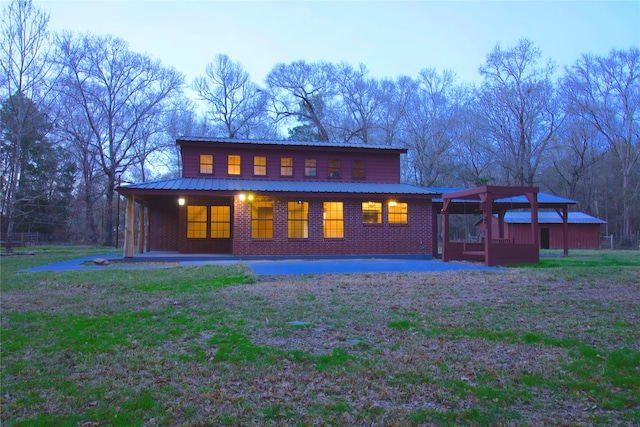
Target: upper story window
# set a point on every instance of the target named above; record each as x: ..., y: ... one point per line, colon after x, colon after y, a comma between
x: 334, y: 169
x: 286, y: 166
x: 371, y: 213
x: 397, y: 213
x: 206, y: 163
x: 259, y: 165
x: 310, y: 168
x: 233, y: 165
x: 358, y: 169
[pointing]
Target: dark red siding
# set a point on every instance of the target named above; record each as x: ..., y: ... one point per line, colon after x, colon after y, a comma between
x: 379, y: 166
x: 581, y: 236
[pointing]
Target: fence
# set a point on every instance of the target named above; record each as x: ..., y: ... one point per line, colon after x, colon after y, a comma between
x: 623, y: 241
x: 20, y: 239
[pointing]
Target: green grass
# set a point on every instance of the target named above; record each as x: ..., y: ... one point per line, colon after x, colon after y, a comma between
x: 211, y: 345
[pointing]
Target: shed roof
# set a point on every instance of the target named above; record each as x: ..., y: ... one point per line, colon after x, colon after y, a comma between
x: 543, y: 198
x: 550, y: 217
x: 281, y: 186
x: 329, y: 144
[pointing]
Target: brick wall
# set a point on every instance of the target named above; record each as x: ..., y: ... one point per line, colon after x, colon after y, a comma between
x: 359, y: 238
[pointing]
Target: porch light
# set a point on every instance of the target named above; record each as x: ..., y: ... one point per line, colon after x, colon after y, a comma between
x: 250, y: 197
x: 242, y: 197
x: 247, y: 197
x: 181, y: 201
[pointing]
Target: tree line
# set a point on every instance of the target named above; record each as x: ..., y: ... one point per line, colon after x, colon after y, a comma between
x: 83, y: 113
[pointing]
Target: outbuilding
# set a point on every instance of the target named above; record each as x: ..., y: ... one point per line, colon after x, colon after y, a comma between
x: 583, y: 230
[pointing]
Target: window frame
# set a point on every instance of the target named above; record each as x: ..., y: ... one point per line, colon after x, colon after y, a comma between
x: 206, y: 168
x: 358, y: 172
x: 371, y: 213
x: 397, y: 215
x: 262, y: 223
x: 308, y: 168
x: 215, y: 222
x: 231, y: 167
x: 195, y: 225
x: 333, y: 169
x: 298, y: 223
x: 332, y: 225
x: 257, y: 167
x: 285, y: 167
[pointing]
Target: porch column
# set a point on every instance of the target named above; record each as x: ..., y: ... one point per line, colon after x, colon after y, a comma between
x: 129, y: 226
x: 445, y: 229
x: 535, y: 232
x: 434, y: 231
x: 141, y: 238
x: 487, y: 214
x: 565, y: 229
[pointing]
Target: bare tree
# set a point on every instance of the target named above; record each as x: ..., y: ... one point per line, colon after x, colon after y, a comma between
x: 118, y: 92
x: 394, y: 97
x: 431, y: 125
x: 236, y: 104
x: 605, y: 92
x: 520, y: 110
x: 25, y: 69
x: 303, y: 92
x: 361, y: 103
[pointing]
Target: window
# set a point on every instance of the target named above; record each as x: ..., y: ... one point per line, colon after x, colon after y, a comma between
x: 206, y: 163
x: 309, y: 167
x: 220, y: 222
x: 259, y: 165
x: 333, y: 222
x: 371, y: 213
x: 262, y: 220
x: 298, y: 220
x: 397, y: 213
x: 358, y: 169
x: 286, y: 166
x: 196, y: 222
x: 334, y: 168
x: 233, y: 165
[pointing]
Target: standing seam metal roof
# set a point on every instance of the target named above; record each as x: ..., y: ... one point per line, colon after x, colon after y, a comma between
x: 213, y: 184
x: 291, y: 143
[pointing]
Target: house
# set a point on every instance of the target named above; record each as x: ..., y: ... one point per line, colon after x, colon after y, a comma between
x: 283, y: 198
x: 583, y: 229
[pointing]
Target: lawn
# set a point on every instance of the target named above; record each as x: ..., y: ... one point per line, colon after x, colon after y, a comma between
x: 552, y: 344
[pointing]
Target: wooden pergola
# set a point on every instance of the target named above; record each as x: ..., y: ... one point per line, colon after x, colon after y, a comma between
x: 490, y: 200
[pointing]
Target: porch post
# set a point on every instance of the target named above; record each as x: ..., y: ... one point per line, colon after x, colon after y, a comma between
x: 487, y: 213
x: 445, y: 229
x: 565, y: 229
x: 129, y: 226
x: 434, y: 231
x: 141, y: 238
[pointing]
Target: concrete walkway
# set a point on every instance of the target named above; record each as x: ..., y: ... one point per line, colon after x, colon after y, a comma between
x: 271, y: 267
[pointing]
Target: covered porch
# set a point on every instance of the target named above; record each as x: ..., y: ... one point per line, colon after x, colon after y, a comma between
x: 495, y: 248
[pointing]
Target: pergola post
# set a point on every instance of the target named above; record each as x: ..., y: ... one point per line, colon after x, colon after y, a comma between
x: 129, y: 226
x: 487, y: 213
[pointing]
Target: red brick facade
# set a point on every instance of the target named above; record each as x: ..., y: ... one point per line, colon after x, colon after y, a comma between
x: 365, y: 174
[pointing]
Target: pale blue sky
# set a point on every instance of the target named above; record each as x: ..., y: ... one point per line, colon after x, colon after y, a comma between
x: 390, y: 37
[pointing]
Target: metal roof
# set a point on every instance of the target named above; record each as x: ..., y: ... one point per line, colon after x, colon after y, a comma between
x: 549, y: 217
x: 543, y: 198
x: 214, y: 184
x: 330, y: 144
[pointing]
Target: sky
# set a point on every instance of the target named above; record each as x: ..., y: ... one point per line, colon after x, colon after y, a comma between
x: 391, y: 38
